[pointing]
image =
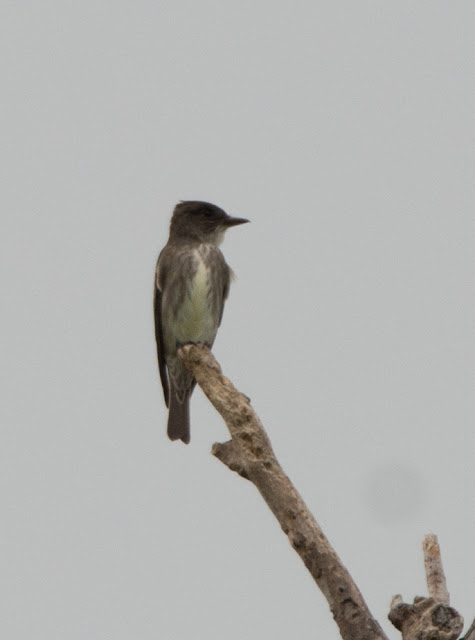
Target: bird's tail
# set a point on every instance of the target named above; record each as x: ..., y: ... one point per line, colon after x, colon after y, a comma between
x: 179, y: 419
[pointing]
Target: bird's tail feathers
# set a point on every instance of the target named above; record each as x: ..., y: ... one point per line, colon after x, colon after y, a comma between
x: 179, y: 419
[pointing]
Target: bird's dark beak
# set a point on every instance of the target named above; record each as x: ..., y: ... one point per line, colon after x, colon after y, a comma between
x: 233, y: 222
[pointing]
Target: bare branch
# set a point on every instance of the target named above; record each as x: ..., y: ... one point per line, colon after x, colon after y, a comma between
x: 250, y: 454
x: 470, y: 635
x: 428, y: 618
x: 435, y: 576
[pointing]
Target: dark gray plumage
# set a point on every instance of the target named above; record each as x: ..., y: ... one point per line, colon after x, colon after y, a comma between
x: 191, y: 284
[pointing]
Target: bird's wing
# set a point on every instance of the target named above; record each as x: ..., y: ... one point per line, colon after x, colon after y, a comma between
x: 157, y: 312
x: 224, y: 284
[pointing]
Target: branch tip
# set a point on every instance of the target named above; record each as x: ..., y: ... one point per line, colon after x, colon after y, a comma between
x: 436, y: 582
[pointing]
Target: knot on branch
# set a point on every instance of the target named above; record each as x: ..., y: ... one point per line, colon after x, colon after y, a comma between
x: 426, y: 619
x: 226, y: 452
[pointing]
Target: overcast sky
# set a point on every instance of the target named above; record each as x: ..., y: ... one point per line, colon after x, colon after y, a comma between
x: 345, y: 132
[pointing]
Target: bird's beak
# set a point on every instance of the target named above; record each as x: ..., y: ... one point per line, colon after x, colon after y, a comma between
x: 233, y: 222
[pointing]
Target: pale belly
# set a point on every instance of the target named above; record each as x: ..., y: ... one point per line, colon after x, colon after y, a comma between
x: 195, y: 321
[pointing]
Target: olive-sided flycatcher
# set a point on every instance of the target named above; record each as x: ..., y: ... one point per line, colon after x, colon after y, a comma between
x: 191, y: 284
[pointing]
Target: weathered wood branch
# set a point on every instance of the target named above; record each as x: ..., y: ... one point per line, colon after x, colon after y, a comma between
x: 470, y: 635
x: 436, y: 582
x: 428, y: 618
x: 250, y: 454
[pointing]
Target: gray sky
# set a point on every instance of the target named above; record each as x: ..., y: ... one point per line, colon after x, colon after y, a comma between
x: 344, y: 131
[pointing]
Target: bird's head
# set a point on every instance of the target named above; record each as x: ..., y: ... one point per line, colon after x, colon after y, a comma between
x: 201, y: 221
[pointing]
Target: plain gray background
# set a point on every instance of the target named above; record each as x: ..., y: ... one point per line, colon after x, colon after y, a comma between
x: 344, y: 131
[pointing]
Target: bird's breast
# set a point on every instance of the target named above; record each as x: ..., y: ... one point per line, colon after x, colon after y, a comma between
x: 196, y: 321
x: 199, y: 286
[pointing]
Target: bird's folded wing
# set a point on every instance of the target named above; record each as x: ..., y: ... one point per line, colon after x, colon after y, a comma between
x: 157, y: 312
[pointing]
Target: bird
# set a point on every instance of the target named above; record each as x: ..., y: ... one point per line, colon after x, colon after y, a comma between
x: 192, y: 281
